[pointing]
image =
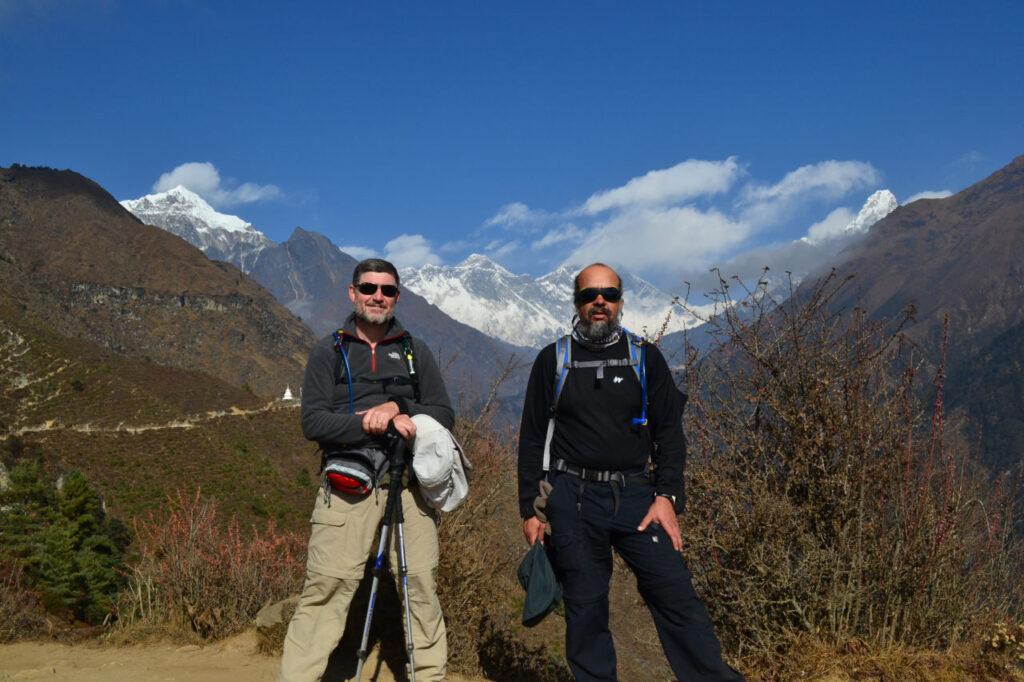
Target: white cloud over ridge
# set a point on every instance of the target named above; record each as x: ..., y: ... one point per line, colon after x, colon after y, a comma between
x: 663, y: 240
x: 929, y: 194
x: 203, y: 178
x: 826, y: 181
x: 684, y: 181
x: 671, y: 225
x: 358, y: 252
x: 410, y: 250
x: 516, y: 213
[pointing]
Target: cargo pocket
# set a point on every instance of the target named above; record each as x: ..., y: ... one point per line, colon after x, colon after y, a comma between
x: 335, y: 539
x: 566, y: 522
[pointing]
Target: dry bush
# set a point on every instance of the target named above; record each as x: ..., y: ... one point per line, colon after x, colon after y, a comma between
x: 825, y: 500
x: 202, y: 577
x: 20, y: 612
x: 481, y: 546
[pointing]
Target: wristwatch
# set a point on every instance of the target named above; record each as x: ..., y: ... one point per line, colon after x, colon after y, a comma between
x: 667, y: 496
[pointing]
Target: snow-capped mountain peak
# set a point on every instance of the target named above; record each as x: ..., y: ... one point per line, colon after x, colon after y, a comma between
x: 184, y: 213
x: 181, y: 201
x: 878, y: 205
x: 525, y: 311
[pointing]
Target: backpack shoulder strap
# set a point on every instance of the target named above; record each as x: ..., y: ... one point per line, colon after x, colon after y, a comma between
x: 563, y: 360
x: 342, y: 356
x: 410, y: 361
x: 638, y: 357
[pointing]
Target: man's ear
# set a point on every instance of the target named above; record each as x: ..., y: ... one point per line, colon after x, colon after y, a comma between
x: 352, y: 293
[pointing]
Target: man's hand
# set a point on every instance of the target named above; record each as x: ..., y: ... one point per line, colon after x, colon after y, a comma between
x: 662, y: 513
x: 405, y: 426
x: 377, y: 418
x: 533, y: 529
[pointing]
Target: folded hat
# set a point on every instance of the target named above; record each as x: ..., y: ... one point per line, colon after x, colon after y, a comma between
x: 440, y: 465
x: 542, y: 589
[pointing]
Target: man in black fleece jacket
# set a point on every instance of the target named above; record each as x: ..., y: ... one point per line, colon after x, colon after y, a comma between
x: 603, y: 493
x: 347, y: 404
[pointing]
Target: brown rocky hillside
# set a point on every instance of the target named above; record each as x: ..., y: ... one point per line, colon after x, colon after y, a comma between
x: 72, y: 259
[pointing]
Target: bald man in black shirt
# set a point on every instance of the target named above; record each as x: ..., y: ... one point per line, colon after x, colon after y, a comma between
x: 613, y: 401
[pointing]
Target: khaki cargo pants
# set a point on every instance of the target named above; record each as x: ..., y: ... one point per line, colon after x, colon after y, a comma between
x: 343, y: 536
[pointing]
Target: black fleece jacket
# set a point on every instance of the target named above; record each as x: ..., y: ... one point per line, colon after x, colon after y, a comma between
x: 594, y: 427
x: 325, y: 405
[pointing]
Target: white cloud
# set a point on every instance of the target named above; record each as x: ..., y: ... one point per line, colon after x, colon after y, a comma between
x: 684, y: 181
x: 359, y: 252
x: 513, y: 214
x: 499, y: 249
x: 829, y: 181
x: 204, y: 179
x: 834, y: 225
x: 929, y: 194
x: 567, y: 232
x: 663, y: 240
x: 410, y: 250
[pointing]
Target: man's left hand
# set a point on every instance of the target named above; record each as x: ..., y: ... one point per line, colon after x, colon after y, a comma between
x: 377, y: 418
x: 662, y: 513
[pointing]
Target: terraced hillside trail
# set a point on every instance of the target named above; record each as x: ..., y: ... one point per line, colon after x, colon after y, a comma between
x: 232, y: 660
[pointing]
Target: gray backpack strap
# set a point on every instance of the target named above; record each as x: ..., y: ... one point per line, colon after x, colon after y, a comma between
x: 563, y: 349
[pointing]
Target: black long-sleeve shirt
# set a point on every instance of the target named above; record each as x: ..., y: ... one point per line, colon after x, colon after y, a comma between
x: 594, y: 426
x: 325, y: 404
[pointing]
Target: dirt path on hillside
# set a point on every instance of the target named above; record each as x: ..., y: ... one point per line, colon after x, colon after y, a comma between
x: 233, y: 660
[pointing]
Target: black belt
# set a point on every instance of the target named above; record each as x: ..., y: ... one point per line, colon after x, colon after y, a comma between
x: 602, y: 476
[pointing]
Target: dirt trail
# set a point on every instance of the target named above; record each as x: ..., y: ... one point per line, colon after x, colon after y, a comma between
x: 233, y: 660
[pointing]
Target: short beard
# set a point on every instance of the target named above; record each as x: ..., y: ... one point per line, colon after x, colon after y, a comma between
x: 598, y: 332
x: 364, y: 315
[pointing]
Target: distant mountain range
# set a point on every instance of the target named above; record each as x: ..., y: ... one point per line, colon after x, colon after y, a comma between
x: 310, y: 276
x: 533, y: 312
x: 515, y: 309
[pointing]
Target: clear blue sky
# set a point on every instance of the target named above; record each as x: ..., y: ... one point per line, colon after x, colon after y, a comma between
x: 663, y: 136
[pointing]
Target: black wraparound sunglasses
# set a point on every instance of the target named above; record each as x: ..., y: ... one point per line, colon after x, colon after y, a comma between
x: 369, y: 289
x: 590, y: 294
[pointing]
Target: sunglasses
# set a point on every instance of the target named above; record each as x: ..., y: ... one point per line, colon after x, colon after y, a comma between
x: 369, y: 289
x: 590, y: 294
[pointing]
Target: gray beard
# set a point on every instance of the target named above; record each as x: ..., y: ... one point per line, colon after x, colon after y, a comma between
x: 599, y: 332
x: 364, y: 316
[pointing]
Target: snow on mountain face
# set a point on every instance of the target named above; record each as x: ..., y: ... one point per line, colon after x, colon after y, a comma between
x: 527, y: 312
x: 878, y: 205
x: 185, y: 214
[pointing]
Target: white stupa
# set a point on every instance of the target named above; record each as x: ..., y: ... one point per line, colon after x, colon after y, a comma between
x: 287, y: 393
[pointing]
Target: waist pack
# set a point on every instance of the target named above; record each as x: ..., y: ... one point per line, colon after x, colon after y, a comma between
x: 356, y: 471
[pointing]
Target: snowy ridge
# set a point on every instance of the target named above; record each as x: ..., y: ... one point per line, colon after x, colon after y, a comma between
x: 526, y: 311
x: 185, y: 214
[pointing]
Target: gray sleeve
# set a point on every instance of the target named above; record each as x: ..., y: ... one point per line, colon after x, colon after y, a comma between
x: 322, y: 420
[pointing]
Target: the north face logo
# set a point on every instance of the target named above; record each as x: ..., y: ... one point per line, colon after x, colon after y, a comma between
x: 617, y: 380
x: 394, y: 355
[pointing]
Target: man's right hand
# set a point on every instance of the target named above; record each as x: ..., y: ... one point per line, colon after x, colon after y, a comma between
x: 533, y: 529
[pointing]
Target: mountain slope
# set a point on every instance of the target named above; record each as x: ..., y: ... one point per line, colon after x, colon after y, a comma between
x: 958, y: 258
x: 76, y: 261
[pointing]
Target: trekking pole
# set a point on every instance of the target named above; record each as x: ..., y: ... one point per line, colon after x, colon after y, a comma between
x: 392, y: 507
x: 394, y: 497
x: 403, y: 570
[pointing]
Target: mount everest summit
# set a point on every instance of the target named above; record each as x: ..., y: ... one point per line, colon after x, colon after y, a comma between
x: 525, y: 311
x: 517, y: 309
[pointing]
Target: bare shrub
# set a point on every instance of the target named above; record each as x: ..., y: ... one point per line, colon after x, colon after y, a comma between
x: 20, y: 612
x: 203, y: 577
x: 824, y: 498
